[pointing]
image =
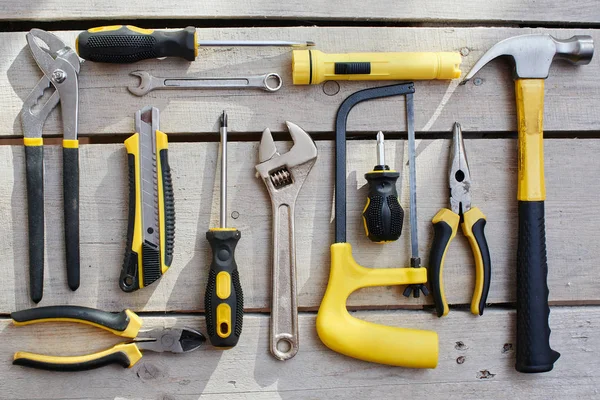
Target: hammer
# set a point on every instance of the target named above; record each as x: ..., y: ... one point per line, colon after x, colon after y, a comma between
x: 532, y: 56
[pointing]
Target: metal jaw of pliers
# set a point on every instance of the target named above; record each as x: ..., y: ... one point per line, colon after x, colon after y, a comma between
x: 60, y: 65
x: 284, y: 175
x: 445, y: 226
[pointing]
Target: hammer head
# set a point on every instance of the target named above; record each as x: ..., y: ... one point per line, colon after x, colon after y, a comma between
x: 533, y: 54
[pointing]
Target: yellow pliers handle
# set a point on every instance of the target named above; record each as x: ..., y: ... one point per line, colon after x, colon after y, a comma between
x: 445, y: 226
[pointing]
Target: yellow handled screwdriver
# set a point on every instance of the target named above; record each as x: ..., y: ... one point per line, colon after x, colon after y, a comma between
x: 123, y: 44
x: 311, y: 67
x: 382, y: 216
x: 223, y: 300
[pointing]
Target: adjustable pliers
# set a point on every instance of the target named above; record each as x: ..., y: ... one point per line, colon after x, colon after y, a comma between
x: 60, y: 65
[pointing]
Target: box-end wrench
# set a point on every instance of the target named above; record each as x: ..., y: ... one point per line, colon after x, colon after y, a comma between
x: 270, y: 82
x: 284, y: 175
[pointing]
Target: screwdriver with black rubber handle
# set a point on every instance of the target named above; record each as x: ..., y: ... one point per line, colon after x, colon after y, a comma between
x: 223, y: 300
x: 122, y: 44
x: 382, y: 216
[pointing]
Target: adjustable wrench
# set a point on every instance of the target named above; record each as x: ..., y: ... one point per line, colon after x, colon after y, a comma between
x: 284, y: 175
x: 270, y: 82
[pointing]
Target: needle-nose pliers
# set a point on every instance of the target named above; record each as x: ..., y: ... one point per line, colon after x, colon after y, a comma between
x: 445, y: 226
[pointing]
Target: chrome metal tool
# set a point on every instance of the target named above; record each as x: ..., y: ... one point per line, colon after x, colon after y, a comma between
x: 284, y: 175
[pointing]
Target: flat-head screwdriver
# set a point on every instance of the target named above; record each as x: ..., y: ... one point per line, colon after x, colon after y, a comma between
x: 382, y: 216
x: 224, y: 300
x: 122, y: 44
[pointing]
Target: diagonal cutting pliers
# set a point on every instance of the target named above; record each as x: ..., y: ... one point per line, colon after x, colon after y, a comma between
x: 60, y: 65
x: 126, y: 324
x: 445, y: 226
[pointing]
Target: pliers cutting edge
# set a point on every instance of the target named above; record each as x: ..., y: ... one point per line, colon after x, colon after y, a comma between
x: 126, y: 324
x: 445, y: 226
x: 60, y: 65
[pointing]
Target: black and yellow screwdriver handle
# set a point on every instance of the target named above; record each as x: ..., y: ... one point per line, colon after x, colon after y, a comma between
x: 144, y: 264
x: 71, y: 209
x: 122, y: 44
x: 223, y: 300
x: 34, y: 173
x: 445, y: 226
x: 534, y: 353
x: 125, y: 324
x: 383, y: 216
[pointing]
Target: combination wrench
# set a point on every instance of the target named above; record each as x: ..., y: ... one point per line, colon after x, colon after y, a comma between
x: 284, y: 175
x: 270, y: 82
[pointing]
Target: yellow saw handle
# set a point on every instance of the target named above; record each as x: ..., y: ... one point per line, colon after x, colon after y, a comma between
x: 364, y: 340
x: 313, y: 66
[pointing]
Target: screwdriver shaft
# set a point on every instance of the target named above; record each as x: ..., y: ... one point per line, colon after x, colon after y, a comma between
x: 238, y: 43
x: 223, y: 214
x: 380, y: 149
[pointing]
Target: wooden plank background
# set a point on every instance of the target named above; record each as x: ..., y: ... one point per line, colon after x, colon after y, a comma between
x: 476, y: 353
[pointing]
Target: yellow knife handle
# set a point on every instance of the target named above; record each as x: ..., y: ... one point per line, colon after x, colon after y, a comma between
x: 124, y: 354
x: 122, y: 44
x: 144, y: 264
x: 445, y: 225
x: 473, y: 227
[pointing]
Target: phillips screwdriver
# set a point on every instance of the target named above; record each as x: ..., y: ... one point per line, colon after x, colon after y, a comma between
x: 122, y: 44
x: 223, y: 300
x: 382, y: 216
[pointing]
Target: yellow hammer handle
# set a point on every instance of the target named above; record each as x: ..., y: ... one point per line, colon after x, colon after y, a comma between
x: 314, y: 66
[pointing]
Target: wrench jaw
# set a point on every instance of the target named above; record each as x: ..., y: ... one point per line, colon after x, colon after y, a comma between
x: 144, y: 85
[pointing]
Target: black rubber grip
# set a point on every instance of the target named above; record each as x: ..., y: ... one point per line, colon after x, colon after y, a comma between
x: 119, y: 358
x: 441, y: 236
x: 71, y: 206
x: 383, y: 216
x: 533, y: 331
x: 34, y: 166
x: 125, y: 45
x: 169, y: 208
x: 223, y: 245
x: 128, y: 281
x: 478, y: 232
x: 352, y: 68
x: 115, y: 321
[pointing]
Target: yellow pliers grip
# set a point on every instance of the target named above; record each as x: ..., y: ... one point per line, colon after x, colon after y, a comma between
x: 445, y: 226
x: 125, y: 324
x: 366, y: 340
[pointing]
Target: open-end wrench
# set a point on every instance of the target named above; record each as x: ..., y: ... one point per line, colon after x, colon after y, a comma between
x: 270, y: 82
x: 284, y: 175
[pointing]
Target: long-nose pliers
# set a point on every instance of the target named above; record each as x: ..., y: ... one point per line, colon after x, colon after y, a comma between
x: 445, y: 226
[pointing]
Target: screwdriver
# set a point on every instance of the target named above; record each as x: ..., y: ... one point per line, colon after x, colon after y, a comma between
x: 382, y: 216
x: 224, y: 300
x: 122, y: 44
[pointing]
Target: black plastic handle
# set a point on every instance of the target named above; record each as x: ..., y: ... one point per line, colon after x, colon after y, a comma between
x: 34, y: 168
x: 119, y: 358
x: 383, y: 215
x: 128, y: 281
x: 71, y: 199
x: 442, y: 235
x: 114, y: 321
x: 484, y: 269
x: 128, y: 44
x: 533, y: 331
x: 224, y: 289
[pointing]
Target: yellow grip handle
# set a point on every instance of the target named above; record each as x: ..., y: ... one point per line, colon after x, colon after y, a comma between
x: 314, y: 66
x: 368, y: 341
x: 530, y: 114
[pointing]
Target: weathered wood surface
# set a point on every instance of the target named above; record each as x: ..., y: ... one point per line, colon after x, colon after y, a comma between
x: 541, y: 11
x: 248, y: 371
x: 572, y: 93
x: 572, y: 221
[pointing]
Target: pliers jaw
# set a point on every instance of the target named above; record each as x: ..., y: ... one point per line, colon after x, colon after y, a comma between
x: 459, y: 179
